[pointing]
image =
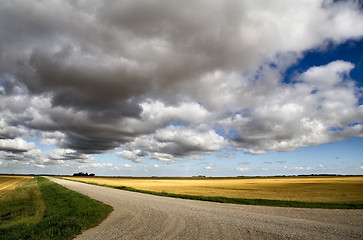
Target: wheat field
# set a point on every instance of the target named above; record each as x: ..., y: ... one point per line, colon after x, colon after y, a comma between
x: 309, y: 189
x: 10, y: 182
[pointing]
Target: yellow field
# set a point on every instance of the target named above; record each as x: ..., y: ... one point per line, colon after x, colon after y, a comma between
x: 10, y: 182
x: 310, y: 189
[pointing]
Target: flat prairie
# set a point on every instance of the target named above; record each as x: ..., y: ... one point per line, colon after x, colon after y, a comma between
x: 305, y: 188
x: 10, y: 182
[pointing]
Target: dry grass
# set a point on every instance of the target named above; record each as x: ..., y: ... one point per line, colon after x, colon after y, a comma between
x: 307, y: 189
x: 10, y: 182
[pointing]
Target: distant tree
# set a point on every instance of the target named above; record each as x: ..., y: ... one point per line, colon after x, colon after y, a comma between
x: 81, y: 174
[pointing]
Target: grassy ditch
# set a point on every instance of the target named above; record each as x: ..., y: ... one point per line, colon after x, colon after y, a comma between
x: 261, y: 202
x: 43, y: 209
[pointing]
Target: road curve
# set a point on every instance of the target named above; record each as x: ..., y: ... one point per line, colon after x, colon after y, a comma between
x: 142, y: 216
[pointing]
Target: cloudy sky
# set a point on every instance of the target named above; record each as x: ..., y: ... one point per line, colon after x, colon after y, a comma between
x: 181, y: 88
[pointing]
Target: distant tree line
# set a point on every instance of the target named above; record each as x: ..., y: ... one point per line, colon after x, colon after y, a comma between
x: 83, y: 174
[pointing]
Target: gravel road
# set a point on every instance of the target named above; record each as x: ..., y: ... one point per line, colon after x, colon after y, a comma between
x: 141, y: 216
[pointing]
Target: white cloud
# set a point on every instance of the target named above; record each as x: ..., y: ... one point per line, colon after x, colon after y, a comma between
x: 14, y: 145
x: 128, y: 70
x: 290, y: 116
x: 101, y: 165
x: 209, y: 167
x: 325, y: 77
x: 52, y: 138
x: 157, y: 113
x: 129, y: 166
x: 134, y: 155
x: 69, y: 154
x: 25, y: 153
x: 172, y: 143
x: 40, y: 165
x: 241, y: 169
x: 300, y: 168
x: 93, y: 167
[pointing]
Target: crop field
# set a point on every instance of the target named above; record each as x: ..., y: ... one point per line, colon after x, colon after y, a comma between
x: 307, y: 189
x: 10, y: 182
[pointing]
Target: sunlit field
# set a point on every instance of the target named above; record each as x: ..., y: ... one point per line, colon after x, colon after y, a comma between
x: 10, y: 182
x: 309, y: 189
x: 42, y: 209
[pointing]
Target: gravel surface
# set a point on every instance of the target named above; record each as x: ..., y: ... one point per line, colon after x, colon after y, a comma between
x: 142, y: 216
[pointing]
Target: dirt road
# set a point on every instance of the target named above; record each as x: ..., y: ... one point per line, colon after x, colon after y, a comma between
x: 141, y: 216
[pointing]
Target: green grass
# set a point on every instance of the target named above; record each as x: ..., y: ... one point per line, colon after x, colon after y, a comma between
x: 22, y: 206
x: 48, y: 211
x: 261, y: 202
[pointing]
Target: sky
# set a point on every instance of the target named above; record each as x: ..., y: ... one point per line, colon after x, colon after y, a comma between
x: 181, y: 88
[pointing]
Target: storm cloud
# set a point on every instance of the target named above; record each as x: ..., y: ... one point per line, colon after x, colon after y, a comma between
x: 169, y: 80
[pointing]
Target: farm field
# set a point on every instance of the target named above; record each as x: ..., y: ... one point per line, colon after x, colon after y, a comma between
x: 307, y: 189
x: 10, y: 182
x: 145, y: 216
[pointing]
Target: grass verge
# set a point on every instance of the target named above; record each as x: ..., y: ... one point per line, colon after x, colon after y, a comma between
x: 261, y: 202
x: 22, y: 206
x: 59, y: 212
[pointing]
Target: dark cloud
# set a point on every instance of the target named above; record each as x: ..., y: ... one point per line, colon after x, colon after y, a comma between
x: 94, y: 76
x: 90, y: 83
x: 86, y: 144
x: 129, y: 108
x: 9, y: 132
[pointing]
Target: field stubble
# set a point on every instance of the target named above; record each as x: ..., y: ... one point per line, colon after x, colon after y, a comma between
x: 306, y: 189
x: 10, y: 182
